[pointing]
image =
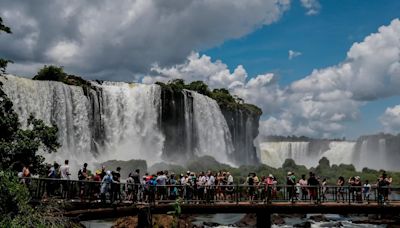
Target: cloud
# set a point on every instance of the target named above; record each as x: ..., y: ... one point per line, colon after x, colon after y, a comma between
x: 262, y: 90
x: 108, y: 40
x: 293, y: 54
x: 313, y: 6
x: 391, y: 119
x: 322, y: 103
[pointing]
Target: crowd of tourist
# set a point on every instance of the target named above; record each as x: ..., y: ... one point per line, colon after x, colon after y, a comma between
x: 106, y: 185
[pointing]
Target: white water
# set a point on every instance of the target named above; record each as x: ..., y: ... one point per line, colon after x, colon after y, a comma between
x: 119, y: 121
x: 340, y: 153
x: 131, y: 122
x: 213, y: 134
x: 275, y: 153
x: 130, y: 118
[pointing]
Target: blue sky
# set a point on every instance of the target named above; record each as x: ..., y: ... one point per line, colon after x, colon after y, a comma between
x: 323, y: 41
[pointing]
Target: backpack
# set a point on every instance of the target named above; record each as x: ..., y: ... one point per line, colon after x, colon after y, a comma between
x: 251, y: 181
x: 80, y: 175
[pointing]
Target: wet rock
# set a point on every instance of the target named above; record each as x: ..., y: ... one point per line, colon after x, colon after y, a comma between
x: 332, y: 224
x: 303, y: 224
x: 319, y: 218
x: 277, y: 219
x: 211, y: 224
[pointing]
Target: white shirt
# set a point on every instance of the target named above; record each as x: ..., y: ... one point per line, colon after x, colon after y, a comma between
x: 230, y: 179
x: 211, y: 181
x: 64, y: 169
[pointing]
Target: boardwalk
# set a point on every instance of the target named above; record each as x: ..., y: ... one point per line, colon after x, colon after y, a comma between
x: 84, y: 200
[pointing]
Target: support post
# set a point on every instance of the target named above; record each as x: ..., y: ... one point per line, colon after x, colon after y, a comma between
x: 144, y: 217
x: 263, y: 220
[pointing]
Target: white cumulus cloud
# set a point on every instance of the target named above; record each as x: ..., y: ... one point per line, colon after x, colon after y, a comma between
x: 115, y: 39
x: 320, y: 104
x: 293, y: 54
x: 312, y: 6
x: 391, y: 119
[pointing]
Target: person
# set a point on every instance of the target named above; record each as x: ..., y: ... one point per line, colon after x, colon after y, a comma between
x: 303, y: 186
x: 366, y: 191
x: 173, y: 190
x: 26, y: 174
x: 82, y: 176
x: 105, y: 186
x: 161, y: 182
x: 269, y: 183
x: 340, y: 189
x: 383, y: 188
x: 313, y: 184
x: 250, y: 189
x: 291, y: 182
x: 103, y: 172
x: 229, y: 188
x: 136, y: 181
x: 358, y: 189
x: 210, y: 184
x: 201, y: 183
x: 324, y: 189
x: 53, y: 174
x: 352, y: 189
x: 65, y: 176
x: 129, y: 188
x: 115, y: 187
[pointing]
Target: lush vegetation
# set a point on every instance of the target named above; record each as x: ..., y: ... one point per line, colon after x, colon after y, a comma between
x: 18, y: 147
x: 55, y: 73
x: 222, y: 96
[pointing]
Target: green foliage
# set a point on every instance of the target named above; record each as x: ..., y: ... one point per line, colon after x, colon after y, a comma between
x: 176, y: 213
x: 222, y: 96
x: 4, y: 28
x: 51, y: 73
x: 19, y: 146
x: 15, y: 210
x: 55, y: 73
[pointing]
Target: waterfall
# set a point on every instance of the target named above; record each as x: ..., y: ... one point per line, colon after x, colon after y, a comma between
x: 275, y: 153
x: 125, y: 115
x: 131, y: 122
x: 340, y: 153
x: 213, y: 134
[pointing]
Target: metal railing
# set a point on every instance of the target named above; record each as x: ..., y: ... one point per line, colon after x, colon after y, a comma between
x: 93, y: 191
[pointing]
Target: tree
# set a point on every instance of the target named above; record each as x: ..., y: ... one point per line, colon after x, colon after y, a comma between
x: 17, y: 145
x: 4, y: 62
x: 51, y: 73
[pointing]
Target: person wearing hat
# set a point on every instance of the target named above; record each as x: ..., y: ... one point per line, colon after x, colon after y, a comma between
x: 291, y: 182
x: 269, y: 182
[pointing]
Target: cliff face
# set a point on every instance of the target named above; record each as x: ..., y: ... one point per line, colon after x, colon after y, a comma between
x: 176, y: 122
x: 181, y: 126
x: 113, y: 120
x: 383, y: 149
x: 243, y: 126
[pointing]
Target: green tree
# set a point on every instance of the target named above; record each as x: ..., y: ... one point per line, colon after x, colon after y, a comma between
x: 17, y: 145
x: 51, y: 73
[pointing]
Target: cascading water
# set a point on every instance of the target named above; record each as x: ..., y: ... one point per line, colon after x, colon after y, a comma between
x: 275, y: 153
x: 131, y: 122
x: 122, y: 121
x: 126, y: 114
x: 340, y: 153
x: 213, y: 134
